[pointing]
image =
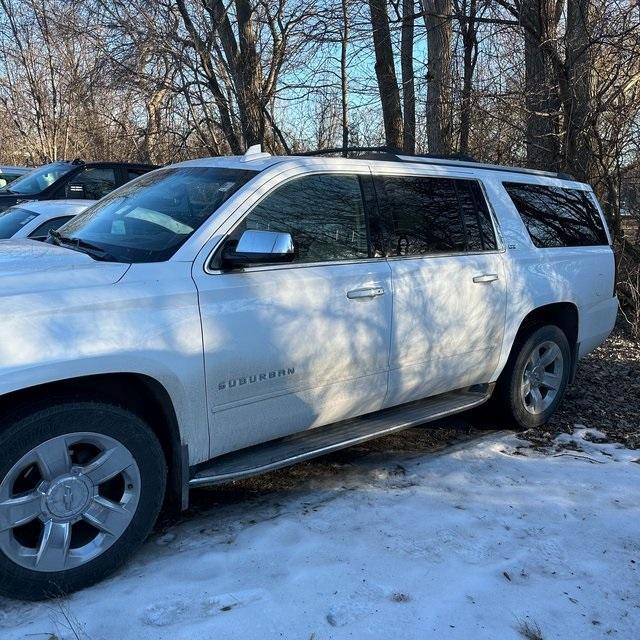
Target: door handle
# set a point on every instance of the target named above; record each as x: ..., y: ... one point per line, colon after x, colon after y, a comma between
x: 370, y: 292
x: 486, y: 277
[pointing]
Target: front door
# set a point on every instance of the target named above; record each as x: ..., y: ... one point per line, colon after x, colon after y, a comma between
x: 448, y: 282
x: 295, y: 346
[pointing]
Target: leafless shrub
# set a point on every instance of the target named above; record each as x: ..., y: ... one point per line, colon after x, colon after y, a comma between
x: 628, y: 285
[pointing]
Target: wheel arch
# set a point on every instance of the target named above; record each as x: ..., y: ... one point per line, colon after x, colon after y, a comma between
x: 564, y: 315
x: 139, y: 393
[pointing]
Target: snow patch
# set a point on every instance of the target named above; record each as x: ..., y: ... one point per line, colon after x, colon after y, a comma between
x: 470, y: 542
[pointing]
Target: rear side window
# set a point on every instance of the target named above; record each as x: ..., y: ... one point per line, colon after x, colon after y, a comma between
x: 475, y: 216
x: 323, y: 213
x: 428, y: 215
x: 557, y: 217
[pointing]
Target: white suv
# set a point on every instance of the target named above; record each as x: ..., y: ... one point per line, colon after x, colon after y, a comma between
x: 223, y: 317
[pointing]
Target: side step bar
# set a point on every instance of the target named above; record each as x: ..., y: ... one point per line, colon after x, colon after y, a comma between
x: 321, y: 440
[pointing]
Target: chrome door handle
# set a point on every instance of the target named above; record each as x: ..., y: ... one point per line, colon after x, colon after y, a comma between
x: 370, y: 292
x: 486, y: 277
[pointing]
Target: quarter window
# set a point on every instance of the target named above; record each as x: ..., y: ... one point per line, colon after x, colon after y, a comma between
x: 323, y: 213
x: 557, y: 217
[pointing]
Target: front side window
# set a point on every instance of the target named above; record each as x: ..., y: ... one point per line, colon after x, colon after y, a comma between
x: 323, y: 213
x: 557, y: 217
x: 13, y: 219
x: 39, y: 179
x: 92, y: 183
x: 42, y: 230
x: 149, y: 219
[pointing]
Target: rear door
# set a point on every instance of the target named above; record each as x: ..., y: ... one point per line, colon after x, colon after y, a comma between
x: 448, y: 283
x: 295, y: 346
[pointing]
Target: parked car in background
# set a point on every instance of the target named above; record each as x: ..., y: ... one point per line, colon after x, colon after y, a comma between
x: 224, y: 317
x: 9, y: 173
x: 64, y: 179
x: 35, y: 219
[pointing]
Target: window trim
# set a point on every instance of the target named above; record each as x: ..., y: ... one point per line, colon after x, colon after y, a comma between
x: 367, y: 208
x: 497, y: 231
x: 369, y: 173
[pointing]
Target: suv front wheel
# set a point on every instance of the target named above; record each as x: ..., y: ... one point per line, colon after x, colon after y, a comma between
x: 81, y: 485
x: 535, y: 377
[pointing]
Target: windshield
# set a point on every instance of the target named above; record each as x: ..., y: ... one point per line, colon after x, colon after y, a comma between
x: 148, y: 219
x: 13, y: 219
x: 39, y: 179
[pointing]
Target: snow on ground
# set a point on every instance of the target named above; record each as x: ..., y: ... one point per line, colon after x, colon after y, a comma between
x: 475, y: 541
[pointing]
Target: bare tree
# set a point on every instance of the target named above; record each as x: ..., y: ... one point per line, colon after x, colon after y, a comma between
x: 439, y: 122
x: 386, y: 74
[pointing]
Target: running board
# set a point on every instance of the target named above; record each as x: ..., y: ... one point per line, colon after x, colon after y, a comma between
x: 321, y: 440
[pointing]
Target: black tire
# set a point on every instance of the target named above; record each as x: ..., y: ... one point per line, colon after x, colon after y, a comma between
x: 22, y: 432
x: 507, y: 403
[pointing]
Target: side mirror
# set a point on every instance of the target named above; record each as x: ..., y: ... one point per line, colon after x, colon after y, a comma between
x: 75, y: 190
x: 256, y: 248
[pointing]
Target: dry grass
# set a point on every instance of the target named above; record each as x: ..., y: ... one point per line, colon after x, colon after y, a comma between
x: 530, y: 630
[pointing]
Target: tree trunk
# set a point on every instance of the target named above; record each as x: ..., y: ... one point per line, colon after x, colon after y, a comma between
x: 541, y: 93
x: 578, y: 150
x: 249, y: 73
x: 344, y: 79
x: 468, y: 27
x: 408, y: 79
x: 386, y: 74
x: 439, y: 75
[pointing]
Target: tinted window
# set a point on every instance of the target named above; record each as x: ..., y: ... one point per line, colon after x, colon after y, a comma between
x: 476, y: 216
x: 135, y: 173
x: 39, y: 179
x: 42, y: 231
x: 557, y: 217
x: 147, y: 220
x: 324, y: 214
x: 13, y: 219
x: 92, y: 183
x: 424, y: 215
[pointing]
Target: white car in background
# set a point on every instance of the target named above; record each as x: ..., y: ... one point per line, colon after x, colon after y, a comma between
x: 10, y: 173
x: 35, y: 219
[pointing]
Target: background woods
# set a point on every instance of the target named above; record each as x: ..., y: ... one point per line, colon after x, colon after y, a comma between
x: 552, y: 84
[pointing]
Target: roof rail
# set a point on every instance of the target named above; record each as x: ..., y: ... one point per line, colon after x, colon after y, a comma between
x: 348, y: 150
x: 394, y: 154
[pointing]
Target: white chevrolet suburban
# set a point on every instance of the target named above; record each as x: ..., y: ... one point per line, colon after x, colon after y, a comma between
x: 224, y: 317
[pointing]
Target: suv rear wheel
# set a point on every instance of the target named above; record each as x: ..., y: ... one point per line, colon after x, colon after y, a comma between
x: 81, y: 485
x: 535, y: 378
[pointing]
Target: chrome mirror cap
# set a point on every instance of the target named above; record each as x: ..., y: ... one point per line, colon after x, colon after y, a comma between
x: 265, y: 242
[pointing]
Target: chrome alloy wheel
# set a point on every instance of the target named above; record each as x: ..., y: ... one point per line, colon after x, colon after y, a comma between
x: 542, y: 377
x: 67, y: 501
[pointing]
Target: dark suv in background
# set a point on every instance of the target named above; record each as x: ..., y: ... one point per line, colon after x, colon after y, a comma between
x: 66, y: 179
